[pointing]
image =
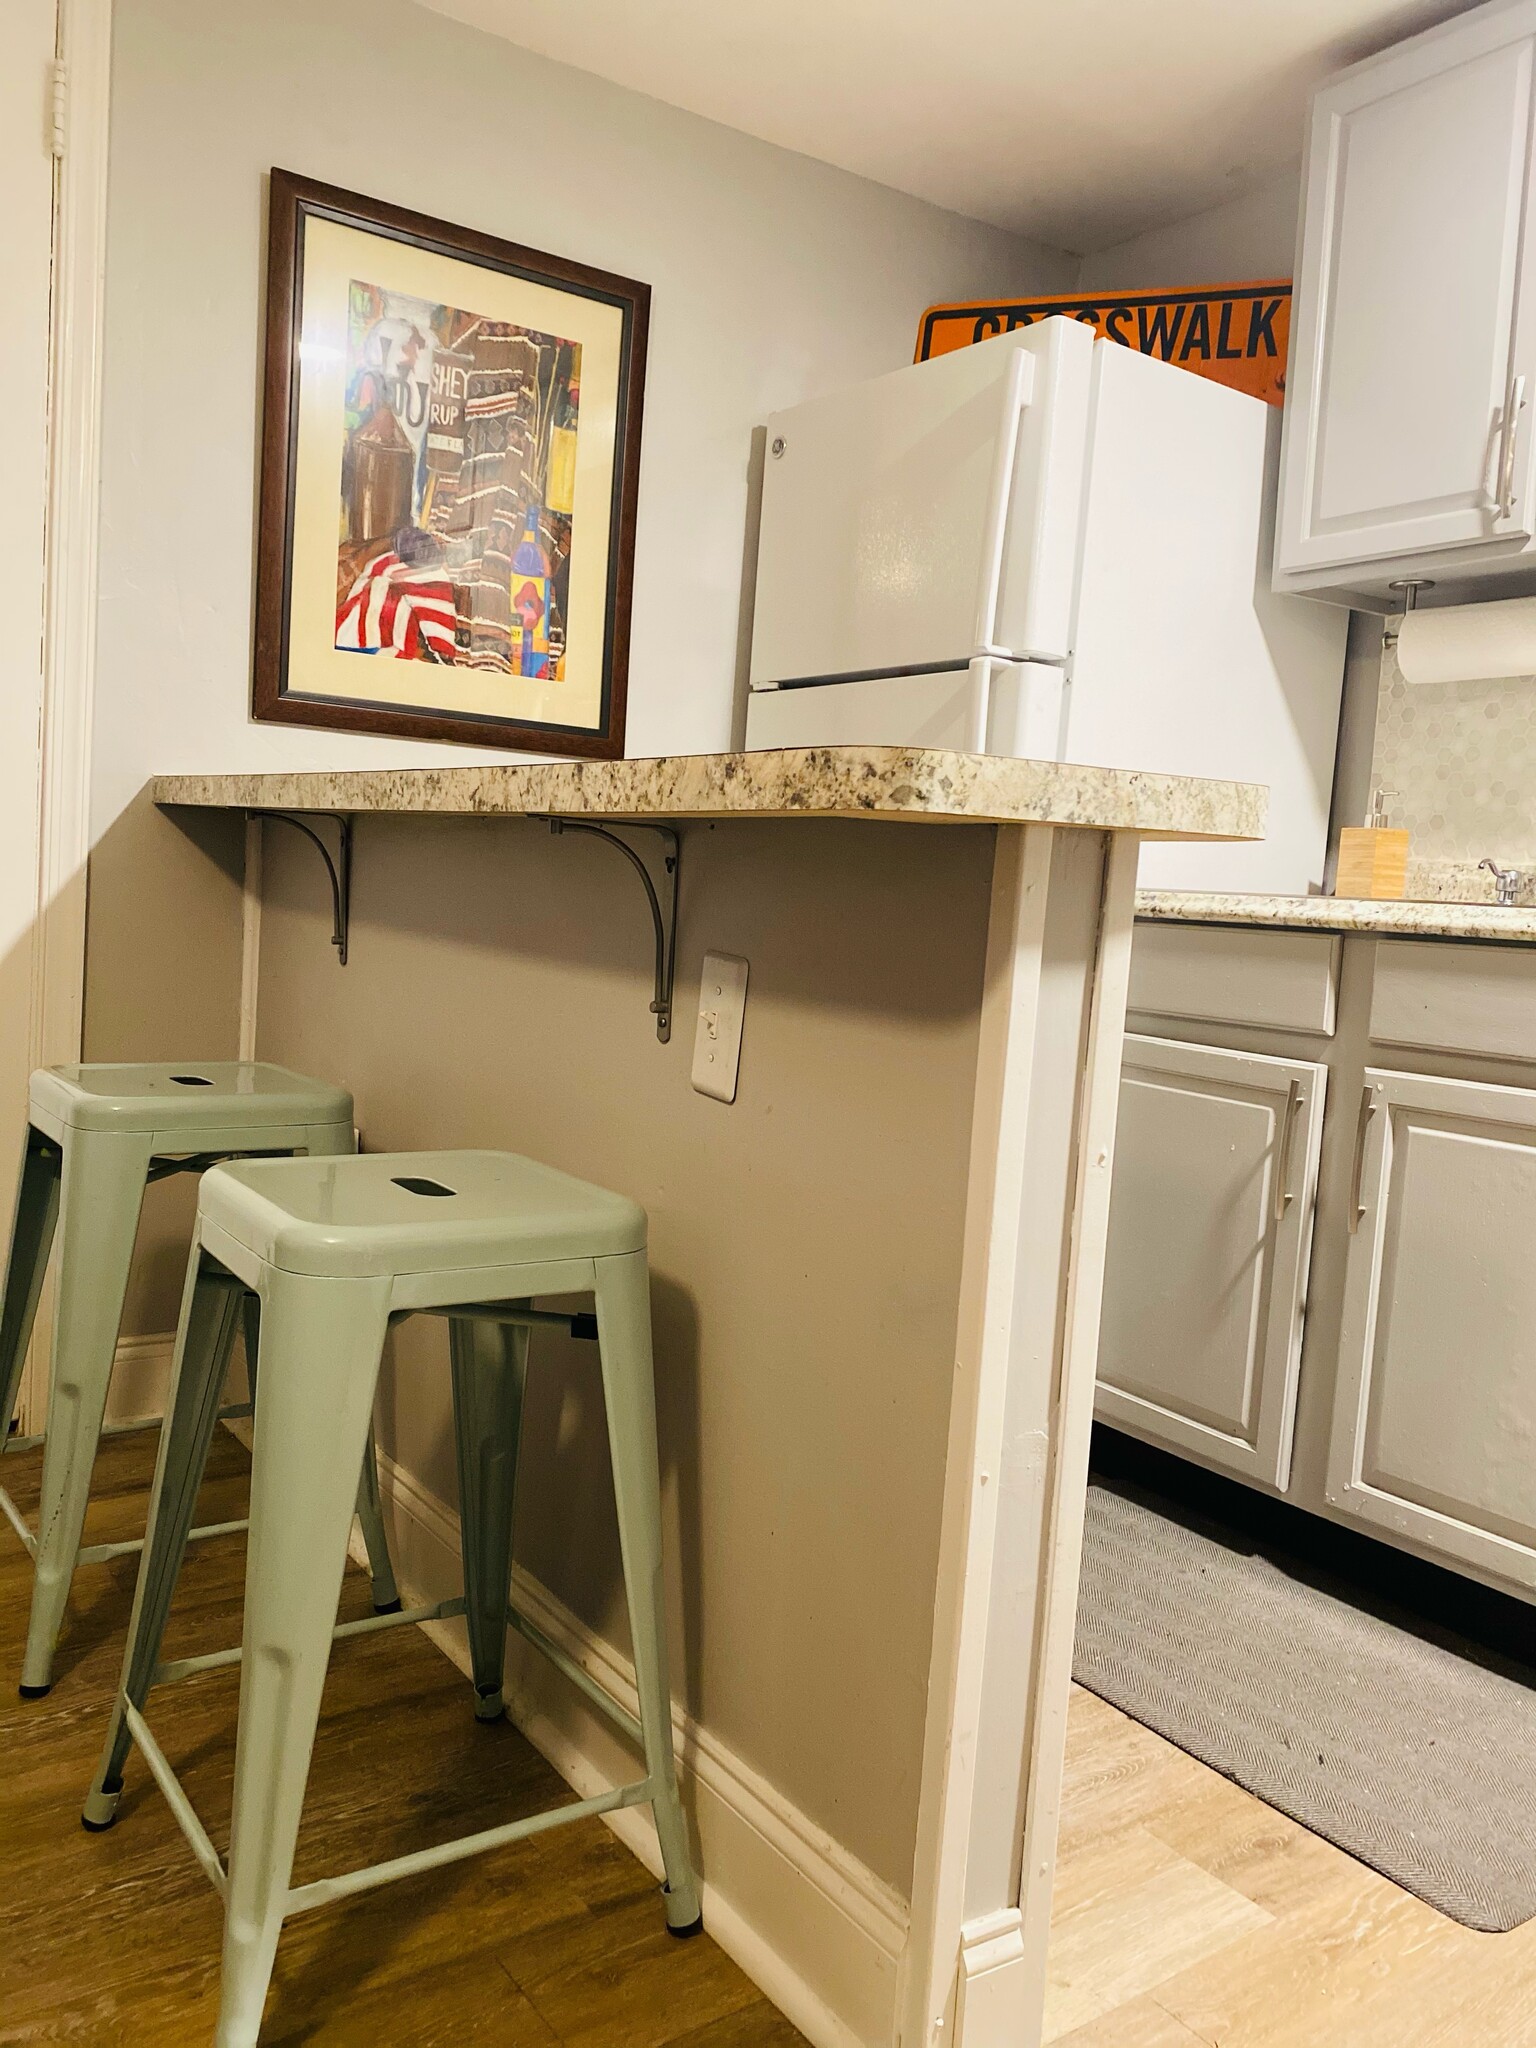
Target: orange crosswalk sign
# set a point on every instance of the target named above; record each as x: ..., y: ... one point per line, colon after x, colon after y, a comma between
x: 1236, y: 333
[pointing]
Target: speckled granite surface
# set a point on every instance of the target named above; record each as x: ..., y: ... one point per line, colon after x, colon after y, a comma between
x: 816, y: 782
x: 1344, y: 914
x: 1462, y: 881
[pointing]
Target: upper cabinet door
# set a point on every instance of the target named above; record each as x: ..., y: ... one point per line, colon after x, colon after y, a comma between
x: 1210, y: 1233
x: 1435, y: 1406
x: 1413, y: 355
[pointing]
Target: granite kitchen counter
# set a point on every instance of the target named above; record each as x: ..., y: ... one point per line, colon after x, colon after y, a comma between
x: 820, y: 782
x: 1509, y: 925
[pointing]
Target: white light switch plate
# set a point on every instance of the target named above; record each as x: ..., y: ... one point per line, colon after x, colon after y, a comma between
x: 717, y: 1042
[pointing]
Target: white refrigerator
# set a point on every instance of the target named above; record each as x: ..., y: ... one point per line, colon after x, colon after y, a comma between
x: 1048, y: 545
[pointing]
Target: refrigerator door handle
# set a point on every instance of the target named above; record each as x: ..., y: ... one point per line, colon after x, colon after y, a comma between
x: 1018, y: 390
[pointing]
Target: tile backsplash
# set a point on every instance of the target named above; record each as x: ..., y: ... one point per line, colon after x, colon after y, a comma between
x: 1463, y: 758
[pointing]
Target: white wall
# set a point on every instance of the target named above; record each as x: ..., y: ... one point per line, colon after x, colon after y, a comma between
x: 773, y: 277
x: 1254, y: 236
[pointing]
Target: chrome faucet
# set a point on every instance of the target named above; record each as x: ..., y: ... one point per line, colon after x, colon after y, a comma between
x: 1506, y: 881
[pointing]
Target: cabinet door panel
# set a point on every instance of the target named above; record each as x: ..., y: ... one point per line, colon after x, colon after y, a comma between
x: 1435, y: 1423
x: 1408, y: 331
x: 1209, y: 1234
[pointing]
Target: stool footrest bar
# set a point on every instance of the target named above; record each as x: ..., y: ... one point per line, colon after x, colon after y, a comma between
x: 306, y: 1897
x: 14, y: 1445
x: 582, y: 1680
x: 215, y: 1660
x: 98, y: 1553
x: 177, y: 1800
x: 18, y: 1522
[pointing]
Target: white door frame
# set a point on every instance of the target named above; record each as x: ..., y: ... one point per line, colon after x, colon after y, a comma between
x: 60, y: 113
x: 27, y: 171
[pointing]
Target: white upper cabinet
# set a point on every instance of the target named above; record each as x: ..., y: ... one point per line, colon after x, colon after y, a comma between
x: 1210, y: 1233
x: 1412, y: 379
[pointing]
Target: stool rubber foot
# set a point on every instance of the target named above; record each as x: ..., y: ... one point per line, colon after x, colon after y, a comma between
x: 489, y: 1707
x: 389, y: 1607
x: 34, y: 1692
x: 100, y: 1808
x: 686, y: 1933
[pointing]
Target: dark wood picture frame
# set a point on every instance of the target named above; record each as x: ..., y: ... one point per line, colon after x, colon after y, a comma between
x: 294, y: 201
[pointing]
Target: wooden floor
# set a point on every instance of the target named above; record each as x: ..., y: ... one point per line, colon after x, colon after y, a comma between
x: 1190, y: 1915
x: 114, y: 1938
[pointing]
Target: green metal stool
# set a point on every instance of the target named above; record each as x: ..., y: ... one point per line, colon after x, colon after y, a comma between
x: 96, y: 1136
x: 336, y: 1249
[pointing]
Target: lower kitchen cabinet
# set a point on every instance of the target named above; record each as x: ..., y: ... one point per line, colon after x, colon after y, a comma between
x: 1210, y: 1231
x: 1434, y: 1422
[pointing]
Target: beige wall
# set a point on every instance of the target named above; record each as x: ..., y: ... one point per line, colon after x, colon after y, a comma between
x: 1250, y: 236
x: 805, y: 1240
x: 774, y: 277
x: 163, y: 982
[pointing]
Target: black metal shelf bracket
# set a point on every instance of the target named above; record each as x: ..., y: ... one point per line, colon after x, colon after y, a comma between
x: 663, y: 917
x: 338, y: 868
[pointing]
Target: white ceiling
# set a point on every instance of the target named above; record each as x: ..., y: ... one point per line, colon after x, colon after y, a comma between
x: 1078, y: 122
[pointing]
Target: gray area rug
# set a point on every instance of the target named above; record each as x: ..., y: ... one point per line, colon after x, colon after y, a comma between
x: 1418, y: 1760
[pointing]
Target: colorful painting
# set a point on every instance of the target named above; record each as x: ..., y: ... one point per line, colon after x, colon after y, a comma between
x: 450, y: 472
x: 457, y: 487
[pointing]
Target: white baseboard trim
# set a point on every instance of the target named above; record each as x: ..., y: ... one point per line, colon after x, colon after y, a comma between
x: 819, y: 1933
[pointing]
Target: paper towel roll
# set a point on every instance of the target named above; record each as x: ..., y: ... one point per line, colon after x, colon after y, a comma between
x: 1468, y: 643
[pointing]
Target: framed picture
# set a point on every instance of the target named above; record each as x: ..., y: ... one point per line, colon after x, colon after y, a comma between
x: 449, y: 468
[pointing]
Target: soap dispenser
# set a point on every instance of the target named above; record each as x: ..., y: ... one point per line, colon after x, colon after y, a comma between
x: 1373, y: 858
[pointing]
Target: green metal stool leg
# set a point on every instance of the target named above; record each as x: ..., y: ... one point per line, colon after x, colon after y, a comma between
x: 370, y: 1508
x: 322, y: 1340
x: 624, y: 1338
x: 32, y: 1227
x: 205, y: 1340
x: 103, y: 1190
x: 490, y: 1364
x: 370, y: 1513
x: 250, y: 1331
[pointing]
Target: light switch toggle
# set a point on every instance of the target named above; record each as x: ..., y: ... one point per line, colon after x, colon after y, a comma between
x: 717, y: 1041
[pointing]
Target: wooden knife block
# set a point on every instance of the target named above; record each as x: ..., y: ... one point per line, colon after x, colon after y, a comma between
x: 1373, y: 863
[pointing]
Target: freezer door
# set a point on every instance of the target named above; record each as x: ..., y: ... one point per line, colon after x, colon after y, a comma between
x: 1184, y: 661
x: 906, y: 521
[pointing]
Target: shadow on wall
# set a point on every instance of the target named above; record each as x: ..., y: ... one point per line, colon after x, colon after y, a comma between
x: 566, y: 1518
x: 497, y: 994
x: 162, y: 982
x: 504, y: 888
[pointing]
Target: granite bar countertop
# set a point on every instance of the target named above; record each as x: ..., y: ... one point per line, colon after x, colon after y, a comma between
x: 814, y: 782
x: 1414, y: 920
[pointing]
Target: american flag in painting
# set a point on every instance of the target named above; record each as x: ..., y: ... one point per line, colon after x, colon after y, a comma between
x: 398, y: 608
x: 458, y: 485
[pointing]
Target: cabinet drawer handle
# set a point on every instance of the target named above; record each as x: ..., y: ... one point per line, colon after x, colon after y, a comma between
x: 1507, y: 433
x: 1369, y: 1105
x: 1284, y: 1192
